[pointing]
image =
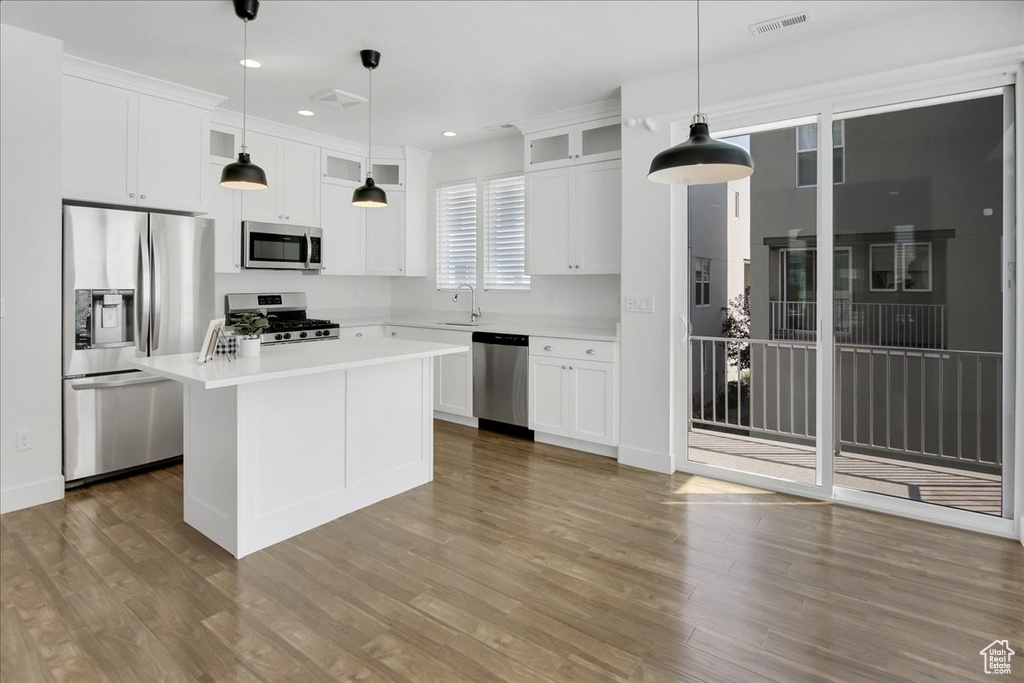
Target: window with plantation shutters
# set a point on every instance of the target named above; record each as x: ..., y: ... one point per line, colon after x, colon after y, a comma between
x: 456, y: 235
x: 505, y: 234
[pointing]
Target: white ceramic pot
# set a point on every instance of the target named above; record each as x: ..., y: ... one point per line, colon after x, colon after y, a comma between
x: 249, y: 347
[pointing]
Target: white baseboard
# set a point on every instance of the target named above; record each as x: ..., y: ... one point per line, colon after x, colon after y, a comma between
x: 646, y: 460
x: 577, y: 445
x: 27, y: 495
x: 457, y: 419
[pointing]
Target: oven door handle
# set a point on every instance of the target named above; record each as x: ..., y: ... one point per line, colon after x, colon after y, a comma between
x: 148, y: 379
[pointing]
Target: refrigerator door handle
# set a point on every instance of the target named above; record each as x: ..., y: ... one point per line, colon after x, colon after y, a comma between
x: 142, y: 298
x: 113, y: 384
x: 158, y: 282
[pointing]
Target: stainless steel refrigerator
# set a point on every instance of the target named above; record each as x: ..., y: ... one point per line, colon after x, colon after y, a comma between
x: 136, y: 284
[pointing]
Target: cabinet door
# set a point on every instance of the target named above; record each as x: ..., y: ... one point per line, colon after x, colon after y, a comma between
x: 592, y: 401
x: 599, y: 141
x: 550, y: 149
x: 172, y: 148
x: 100, y: 145
x: 548, y: 219
x: 225, y: 208
x: 549, y: 395
x: 389, y: 173
x: 343, y: 231
x: 300, y: 184
x: 597, y: 209
x: 384, y: 237
x: 338, y: 168
x: 264, y: 205
x: 453, y: 384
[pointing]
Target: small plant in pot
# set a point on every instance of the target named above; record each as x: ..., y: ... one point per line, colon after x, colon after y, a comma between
x: 250, y: 326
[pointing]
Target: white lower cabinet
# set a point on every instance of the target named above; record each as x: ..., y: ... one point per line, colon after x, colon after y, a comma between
x: 573, y: 395
x: 453, y: 374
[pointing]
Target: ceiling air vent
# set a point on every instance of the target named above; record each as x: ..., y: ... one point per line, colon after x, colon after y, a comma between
x: 338, y: 99
x: 779, y: 23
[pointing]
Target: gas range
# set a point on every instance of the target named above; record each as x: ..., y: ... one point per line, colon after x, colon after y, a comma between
x: 288, y: 324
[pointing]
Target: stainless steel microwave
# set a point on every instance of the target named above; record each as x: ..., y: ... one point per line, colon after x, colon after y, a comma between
x: 281, y: 247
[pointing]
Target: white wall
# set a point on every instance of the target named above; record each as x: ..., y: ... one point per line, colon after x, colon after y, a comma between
x: 654, y: 215
x: 327, y: 295
x: 30, y: 267
x: 564, y: 297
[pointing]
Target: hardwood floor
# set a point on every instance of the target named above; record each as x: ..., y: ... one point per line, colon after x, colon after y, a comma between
x: 520, y: 562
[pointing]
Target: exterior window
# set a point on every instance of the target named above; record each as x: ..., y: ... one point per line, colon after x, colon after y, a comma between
x: 807, y: 154
x: 456, y: 235
x: 702, y: 282
x: 906, y: 266
x: 505, y: 234
x: 799, y: 274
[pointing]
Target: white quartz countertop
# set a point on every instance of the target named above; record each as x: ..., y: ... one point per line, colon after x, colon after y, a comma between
x: 291, y: 360
x: 533, y: 330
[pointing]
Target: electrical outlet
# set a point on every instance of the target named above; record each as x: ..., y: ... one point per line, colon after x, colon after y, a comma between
x: 640, y: 304
x: 22, y: 442
x: 550, y: 296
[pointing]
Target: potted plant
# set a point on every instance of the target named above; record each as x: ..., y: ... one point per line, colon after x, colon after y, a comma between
x: 250, y: 326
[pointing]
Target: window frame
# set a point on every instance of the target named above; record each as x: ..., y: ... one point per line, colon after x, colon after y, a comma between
x: 841, y: 145
x: 483, y: 230
x: 899, y: 267
x: 698, y: 269
x: 437, y: 232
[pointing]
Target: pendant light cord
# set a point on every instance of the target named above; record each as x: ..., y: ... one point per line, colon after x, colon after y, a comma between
x: 369, y: 136
x: 245, y: 58
x: 698, y: 57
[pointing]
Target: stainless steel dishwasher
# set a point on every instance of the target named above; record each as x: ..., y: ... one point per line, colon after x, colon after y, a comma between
x: 501, y: 382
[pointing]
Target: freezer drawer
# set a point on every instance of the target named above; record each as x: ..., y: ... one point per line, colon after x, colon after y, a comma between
x: 114, y: 422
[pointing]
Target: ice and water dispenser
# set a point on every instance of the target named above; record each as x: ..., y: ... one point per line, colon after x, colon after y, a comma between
x: 104, y: 318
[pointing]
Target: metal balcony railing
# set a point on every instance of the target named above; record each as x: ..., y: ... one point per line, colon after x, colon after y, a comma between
x: 921, y: 326
x: 921, y: 404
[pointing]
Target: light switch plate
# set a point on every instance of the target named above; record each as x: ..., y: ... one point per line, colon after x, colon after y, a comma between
x: 640, y: 304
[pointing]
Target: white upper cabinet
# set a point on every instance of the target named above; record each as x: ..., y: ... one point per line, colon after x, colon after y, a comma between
x: 389, y: 173
x: 171, y: 144
x: 342, y: 224
x: 574, y: 219
x: 385, y: 237
x: 293, y: 182
x: 224, y: 204
x: 338, y: 168
x: 122, y: 147
x: 581, y: 143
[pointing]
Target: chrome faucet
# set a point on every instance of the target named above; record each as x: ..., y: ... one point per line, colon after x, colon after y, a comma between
x: 475, y: 312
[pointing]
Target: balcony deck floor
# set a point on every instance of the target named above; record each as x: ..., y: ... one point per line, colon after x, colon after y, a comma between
x: 974, y: 491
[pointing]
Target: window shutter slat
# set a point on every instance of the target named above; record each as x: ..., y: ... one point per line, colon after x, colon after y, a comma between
x: 505, y: 234
x: 456, y: 235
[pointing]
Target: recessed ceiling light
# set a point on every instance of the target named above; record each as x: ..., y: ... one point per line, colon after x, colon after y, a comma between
x: 449, y: 133
x: 305, y: 112
x: 250, y: 63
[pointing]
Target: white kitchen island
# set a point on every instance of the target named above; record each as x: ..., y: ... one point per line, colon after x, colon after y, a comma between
x: 303, y: 434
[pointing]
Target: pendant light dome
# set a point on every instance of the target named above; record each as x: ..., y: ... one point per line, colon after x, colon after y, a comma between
x: 700, y: 159
x: 243, y: 174
x: 368, y: 195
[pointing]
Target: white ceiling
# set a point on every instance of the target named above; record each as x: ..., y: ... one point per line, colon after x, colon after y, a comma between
x: 462, y: 66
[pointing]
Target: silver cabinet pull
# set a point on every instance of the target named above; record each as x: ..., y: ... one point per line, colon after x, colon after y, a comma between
x: 400, y: 270
x: 394, y: 334
x: 570, y: 367
x: 591, y: 352
x: 142, y: 196
x: 564, y: 367
x: 359, y: 334
x: 132, y: 195
x: 548, y: 348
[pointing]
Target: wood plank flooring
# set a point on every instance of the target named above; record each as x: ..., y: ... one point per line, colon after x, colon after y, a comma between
x: 520, y: 562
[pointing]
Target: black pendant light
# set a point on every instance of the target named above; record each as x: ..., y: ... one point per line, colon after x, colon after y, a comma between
x: 243, y: 174
x: 700, y: 159
x: 369, y: 195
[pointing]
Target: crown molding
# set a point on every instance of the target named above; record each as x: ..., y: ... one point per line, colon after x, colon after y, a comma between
x: 565, y: 117
x: 129, y: 80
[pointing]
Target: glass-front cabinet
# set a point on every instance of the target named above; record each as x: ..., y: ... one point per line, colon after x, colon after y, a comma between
x: 582, y: 143
x: 338, y: 168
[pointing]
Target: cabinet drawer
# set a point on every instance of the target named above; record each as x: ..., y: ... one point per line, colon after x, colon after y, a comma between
x: 362, y: 331
x: 573, y: 348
